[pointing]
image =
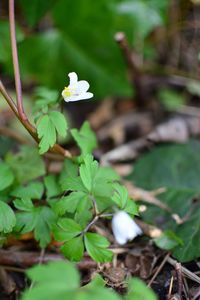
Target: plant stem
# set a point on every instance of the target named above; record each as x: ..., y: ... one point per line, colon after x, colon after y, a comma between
x: 15, y: 60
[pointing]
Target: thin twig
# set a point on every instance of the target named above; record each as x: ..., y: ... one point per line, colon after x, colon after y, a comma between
x: 15, y: 60
x: 159, y: 269
x: 184, y: 271
x: 179, y: 278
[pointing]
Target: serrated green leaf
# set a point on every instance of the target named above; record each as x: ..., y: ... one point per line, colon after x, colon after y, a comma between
x: 96, y: 247
x: 74, y: 249
x: 38, y: 219
x: 33, y: 190
x: 52, y: 186
x: 6, y: 176
x: 69, y: 203
x: 66, y: 229
x: 88, y: 171
x: 7, y: 218
x: 120, y: 196
x: 59, y: 122
x: 85, y: 138
x: 47, y: 133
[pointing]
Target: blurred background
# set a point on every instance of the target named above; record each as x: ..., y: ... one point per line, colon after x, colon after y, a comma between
x: 56, y: 37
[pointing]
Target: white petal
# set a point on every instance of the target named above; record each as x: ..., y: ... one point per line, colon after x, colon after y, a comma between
x: 124, y: 228
x: 82, y: 86
x: 70, y: 98
x: 73, y: 78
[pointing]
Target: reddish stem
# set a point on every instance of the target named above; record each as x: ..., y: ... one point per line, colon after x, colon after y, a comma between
x: 18, y: 87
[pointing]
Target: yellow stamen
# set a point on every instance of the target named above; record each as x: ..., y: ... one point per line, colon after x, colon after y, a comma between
x: 67, y: 92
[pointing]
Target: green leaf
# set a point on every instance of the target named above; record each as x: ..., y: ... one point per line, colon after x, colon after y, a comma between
x: 171, y: 99
x: 37, y: 219
x: 168, y: 240
x: 73, y: 249
x: 69, y: 203
x: 88, y: 171
x: 66, y: 230
x: 96, y: 247
x: 70, y: 169
x: 138, y: 290
x: 27, y: 164
x: 59, y: 122
x: 33, y: 190
x: 177, y: 168
x: 120, y: 196
x: 6, y: 176
x: 48, y: 127
x: 35, y: 10
x: 24, y: 204
x: 52, y: 186
x: 7, y: 218
x: 51, y: 281
x: 85, y: 138
x: 47, y: 133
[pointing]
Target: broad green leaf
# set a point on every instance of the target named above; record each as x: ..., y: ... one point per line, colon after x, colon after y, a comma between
x: 88, y: 171
x: 171, y: 99
x: 66, y: 229
x: 47, y: 133
x: 70, y: 169
x: 59, y: 122
x: 85, y: 138
x: 33, y: 190
x: 6, y: 176
x: 96, y: 247
x: 138, y: 290
x: 74, y: 249
x: 7, y: 218
x: 177, y: 168
x: 35, y: 10
x: 98, y: 293
x: 52, y: 186
x: 27, y: 164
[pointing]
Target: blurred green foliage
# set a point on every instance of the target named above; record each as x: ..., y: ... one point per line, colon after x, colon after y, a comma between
x: 61, y: 36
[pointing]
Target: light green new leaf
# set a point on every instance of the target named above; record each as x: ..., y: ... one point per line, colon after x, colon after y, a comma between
x: 96, y: 247
x: 73, y: 249
x: 88, y: 171
x: 6, y: 176
x: 7, y: 218
x: 85, y: 138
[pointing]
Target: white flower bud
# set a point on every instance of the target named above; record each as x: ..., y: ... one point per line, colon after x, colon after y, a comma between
x: 124, y: 228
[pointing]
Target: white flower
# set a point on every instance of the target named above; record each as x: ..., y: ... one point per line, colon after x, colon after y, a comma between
x: 76, y: 90
x: 124, y: 228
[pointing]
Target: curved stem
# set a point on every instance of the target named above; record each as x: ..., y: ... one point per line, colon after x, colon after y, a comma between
x: 15, y: 60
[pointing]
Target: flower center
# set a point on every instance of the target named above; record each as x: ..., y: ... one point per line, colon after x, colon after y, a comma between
x: 68, y: 91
